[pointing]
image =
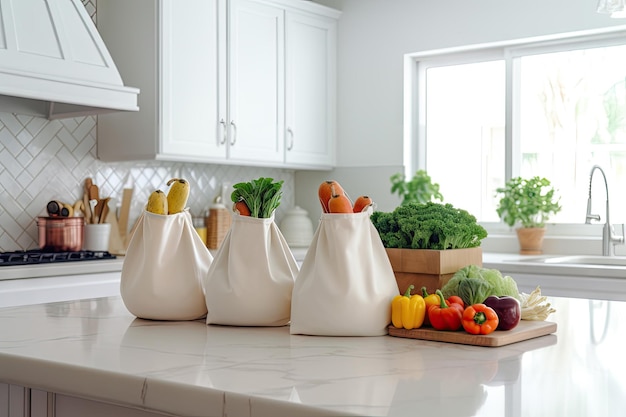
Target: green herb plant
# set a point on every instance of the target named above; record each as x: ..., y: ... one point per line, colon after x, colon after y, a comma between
x: 527, y: 202
x: 419, y: 189
x: 428, y: 226
x: 262, y: 196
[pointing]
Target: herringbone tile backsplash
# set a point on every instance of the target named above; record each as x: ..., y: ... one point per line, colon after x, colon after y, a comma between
x: 43, y: 160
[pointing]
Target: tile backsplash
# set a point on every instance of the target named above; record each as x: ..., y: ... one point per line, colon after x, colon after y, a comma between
x: 42, y: 160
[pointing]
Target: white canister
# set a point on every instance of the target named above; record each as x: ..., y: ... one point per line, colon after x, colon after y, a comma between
x: 97, y: 236
x: 297, y: 228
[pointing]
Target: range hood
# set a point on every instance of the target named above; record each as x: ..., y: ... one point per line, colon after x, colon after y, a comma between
x: 54, y: 64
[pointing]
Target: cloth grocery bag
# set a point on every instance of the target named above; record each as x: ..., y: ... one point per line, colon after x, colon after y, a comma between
x: 163, y: 269
x: 251, y: 278
x: 346, y: 283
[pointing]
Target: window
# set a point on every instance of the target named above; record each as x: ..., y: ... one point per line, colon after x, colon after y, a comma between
x: 552, y: 108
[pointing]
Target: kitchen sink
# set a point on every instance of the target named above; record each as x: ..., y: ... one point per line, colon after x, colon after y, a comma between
x: 591, y: 260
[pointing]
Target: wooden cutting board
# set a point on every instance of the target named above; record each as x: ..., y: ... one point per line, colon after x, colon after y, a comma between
x: 525, y: 330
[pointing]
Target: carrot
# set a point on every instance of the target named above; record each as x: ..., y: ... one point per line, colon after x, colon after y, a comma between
x: 325, y: 192
x: 361, y: 203
x: 242, y: 208
x: 339, y: 202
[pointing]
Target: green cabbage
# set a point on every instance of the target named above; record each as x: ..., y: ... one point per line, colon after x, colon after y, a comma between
x: 473, y: 290
x: 498, y: 284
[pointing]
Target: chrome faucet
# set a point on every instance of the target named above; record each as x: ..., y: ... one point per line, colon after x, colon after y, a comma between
x: 609, y: 239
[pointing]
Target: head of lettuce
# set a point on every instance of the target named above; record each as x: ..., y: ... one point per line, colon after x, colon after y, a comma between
x: 474, y: 284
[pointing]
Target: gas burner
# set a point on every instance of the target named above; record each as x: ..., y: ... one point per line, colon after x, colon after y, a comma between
x: 33, y: 257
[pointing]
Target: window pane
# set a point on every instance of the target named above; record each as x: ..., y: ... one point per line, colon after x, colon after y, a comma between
x: 573, y: 116
x: 465, y: 109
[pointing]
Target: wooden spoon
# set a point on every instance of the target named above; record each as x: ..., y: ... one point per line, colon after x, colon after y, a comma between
x: 88, y: 184
x: 87, y: 206
x: 94, y: 192
x: 104, y: 209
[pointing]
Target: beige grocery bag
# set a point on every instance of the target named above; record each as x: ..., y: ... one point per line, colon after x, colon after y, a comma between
x: 346, y: 283
x: 163, y: 270
x: 251, y: 278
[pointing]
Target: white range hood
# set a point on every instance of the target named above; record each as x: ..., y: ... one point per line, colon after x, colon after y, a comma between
x: 54, y: 64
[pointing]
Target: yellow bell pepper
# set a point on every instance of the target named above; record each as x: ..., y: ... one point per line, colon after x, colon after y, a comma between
x: 408, y: 310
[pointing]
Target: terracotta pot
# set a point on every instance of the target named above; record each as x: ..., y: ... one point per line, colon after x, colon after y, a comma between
x: 531, y: 240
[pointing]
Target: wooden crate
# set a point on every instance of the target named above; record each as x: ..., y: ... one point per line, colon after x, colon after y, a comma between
x: 430, y: 268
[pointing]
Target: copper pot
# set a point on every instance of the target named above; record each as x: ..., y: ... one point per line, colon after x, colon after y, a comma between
x: 60, y: 234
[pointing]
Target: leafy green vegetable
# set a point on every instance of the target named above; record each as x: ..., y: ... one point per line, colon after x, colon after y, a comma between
x: 473, y: 290
x: 499, y: 285
x: 262, y: 196
x: 428, y: 226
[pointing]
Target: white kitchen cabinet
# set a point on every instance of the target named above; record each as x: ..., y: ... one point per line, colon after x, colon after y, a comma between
x: 18, y: 401
x: 12, y: 400
x: 310, y: 90
x: 171, y: 51
x: 256, y: 82
x: 218, y: 84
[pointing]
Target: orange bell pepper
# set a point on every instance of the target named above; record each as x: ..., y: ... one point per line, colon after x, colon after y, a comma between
x: 480, y: 319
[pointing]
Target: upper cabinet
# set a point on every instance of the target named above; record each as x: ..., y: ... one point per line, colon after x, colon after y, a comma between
x: 242, y: 81
x: 255, y: 80
x: 310, y: 89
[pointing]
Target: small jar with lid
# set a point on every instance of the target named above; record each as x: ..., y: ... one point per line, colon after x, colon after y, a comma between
x: 297, y: 228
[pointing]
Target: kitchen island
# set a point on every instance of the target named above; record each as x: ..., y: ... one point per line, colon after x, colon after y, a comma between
x: 92, y: 357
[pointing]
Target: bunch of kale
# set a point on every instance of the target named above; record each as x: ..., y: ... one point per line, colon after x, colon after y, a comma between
x: 428, y: 226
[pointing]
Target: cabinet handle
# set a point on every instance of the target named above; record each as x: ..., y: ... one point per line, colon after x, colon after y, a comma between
x: 290, y: 146
x: 223, y: 123
x: 234, y: 136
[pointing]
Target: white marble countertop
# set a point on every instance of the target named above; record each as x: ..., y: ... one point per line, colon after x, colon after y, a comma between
x: 95, y: 348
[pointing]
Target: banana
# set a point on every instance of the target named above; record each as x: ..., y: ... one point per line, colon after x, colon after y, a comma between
x: 177, y: 195
x: 157, y: 202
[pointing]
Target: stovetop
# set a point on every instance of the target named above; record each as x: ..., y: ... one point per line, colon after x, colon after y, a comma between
x: 34, y: 257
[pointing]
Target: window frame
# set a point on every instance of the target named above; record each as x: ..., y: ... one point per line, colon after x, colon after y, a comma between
x: 416, y: 65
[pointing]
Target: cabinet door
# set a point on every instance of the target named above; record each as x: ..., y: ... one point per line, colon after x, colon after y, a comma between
x: 4, y: 400
x: 13, y: 401
x: 256, y: 82
x: 310, y: 90
x: 190, y: 91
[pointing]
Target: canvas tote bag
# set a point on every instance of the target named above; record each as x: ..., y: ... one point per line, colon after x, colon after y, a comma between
x: 346, y: 282
x: 251, y: 278
x: 163, y: 270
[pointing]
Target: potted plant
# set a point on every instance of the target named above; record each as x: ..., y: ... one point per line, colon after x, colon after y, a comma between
x: 419, y: 189
x: 428, y: 242
x: 528, y: 203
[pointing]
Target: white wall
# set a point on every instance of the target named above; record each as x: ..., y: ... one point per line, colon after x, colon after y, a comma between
x: 374, y: 35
